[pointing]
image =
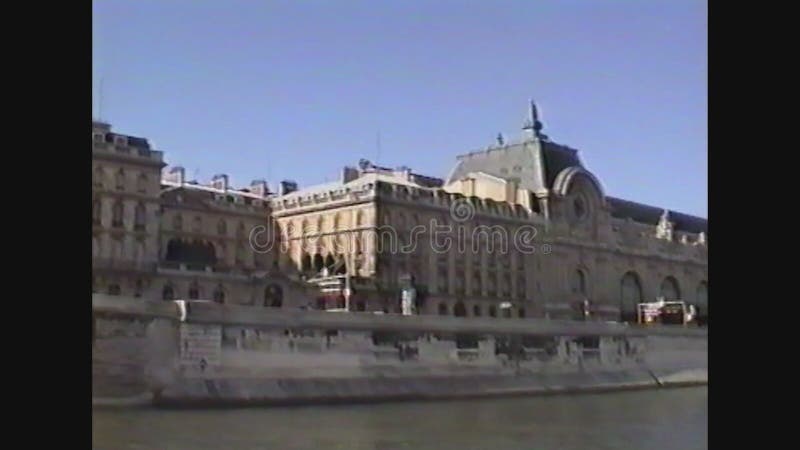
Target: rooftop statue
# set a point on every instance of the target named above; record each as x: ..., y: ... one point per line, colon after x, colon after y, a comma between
x: 664, y: 227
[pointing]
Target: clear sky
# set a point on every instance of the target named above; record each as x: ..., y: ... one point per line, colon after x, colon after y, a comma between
x: 298, y: 89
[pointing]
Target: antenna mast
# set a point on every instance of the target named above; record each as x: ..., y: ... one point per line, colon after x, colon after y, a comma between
x: 378, y: 149
x: 100, y: 101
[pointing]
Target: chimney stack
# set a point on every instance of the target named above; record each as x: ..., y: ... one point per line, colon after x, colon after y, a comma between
x: 220, y: 181
x: 259, y: 187
x: 349, y: 174
x: 287, y: 187
x: 176, y: 174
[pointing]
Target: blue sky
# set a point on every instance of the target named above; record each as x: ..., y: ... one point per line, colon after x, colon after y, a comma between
x: 298, y: 89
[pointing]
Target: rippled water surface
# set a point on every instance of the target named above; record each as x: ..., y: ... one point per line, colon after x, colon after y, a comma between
x: 640, y: 420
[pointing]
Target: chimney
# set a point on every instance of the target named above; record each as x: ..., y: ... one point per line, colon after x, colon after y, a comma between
x: 259, y: 187
x: 220, y: 181
x: 176, y: 174
x: 349, y: 174
x: 100, y: 127
x: 287, y: 187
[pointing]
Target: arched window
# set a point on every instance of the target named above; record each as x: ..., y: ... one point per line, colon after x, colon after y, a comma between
x: 476, y: 310
x: 97, y: 212
x: 197, y: 227
x: 119, y: 180
x: 137, y: 290
x: 116, y: 215
x: 177, y: 222
x: 460, y: 310
x: 194, y: 252
x: 492, y: 311
x: 305, y: 262
x: 139, y: 217
x: 443, y: 309
x: 273, y: 296
x: 329, y: 262
x: 579, y: 284
x: 670, y: 289
x: 141, y: 183
x: 167, y: 293
x: 219, y: 294
x: 222, y: 227
x: 194, y: 292
x: 340, y: 266
x: 630, y: 296
x: 113, y: 289
x: 318, y: 263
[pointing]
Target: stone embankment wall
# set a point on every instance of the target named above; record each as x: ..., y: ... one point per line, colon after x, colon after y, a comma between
x: 293, y: 359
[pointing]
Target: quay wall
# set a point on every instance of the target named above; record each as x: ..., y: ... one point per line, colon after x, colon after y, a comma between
x: 234, y: 355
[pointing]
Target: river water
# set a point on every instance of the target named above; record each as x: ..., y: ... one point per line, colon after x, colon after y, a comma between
x: 663, y: 419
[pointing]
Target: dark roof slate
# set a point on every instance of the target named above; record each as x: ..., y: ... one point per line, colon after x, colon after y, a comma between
x: 638, y: 212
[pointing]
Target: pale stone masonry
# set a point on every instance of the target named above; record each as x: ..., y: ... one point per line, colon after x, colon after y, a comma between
x: 588, y: 246
x: 167, y: 238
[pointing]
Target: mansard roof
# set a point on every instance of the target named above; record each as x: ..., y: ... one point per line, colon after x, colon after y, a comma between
x: 638, y: 212
x: 535, y: 163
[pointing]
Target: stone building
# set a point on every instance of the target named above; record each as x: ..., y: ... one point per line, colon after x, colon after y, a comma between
x: 125, y: 209
x: 532, y: 231
x: 170, y: 238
